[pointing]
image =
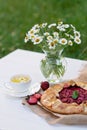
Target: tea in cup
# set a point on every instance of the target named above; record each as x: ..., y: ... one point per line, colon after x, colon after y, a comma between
x: 20, y: 82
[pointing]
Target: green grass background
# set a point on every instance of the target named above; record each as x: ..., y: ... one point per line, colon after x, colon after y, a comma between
x: 18, y: 16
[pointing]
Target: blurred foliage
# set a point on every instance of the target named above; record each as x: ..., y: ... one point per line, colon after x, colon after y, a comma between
x: 17, y: 17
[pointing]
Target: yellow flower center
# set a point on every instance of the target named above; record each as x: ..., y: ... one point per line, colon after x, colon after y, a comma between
x: 31, y: 31
x: 32, y: 36
x: 77, y: 40
x: 63, y: 41
x: 52, y: 43
x: 26, y: 37
x: 37, y: 40
x: 55, y: 41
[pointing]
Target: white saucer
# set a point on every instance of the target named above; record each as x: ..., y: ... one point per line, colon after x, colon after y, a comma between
x: 7, y: 89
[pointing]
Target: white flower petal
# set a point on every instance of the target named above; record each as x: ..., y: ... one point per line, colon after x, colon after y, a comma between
x: 46, y: 34
x: 52, y: 25
x: 66, y: 25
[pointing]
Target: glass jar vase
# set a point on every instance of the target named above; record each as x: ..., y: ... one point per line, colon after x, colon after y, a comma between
x: 53, y: 66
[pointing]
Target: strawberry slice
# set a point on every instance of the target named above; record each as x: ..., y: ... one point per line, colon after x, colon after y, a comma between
x: 32, y: 100
x: 37, y: 95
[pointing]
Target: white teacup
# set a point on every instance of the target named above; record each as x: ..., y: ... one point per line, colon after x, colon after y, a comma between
x: 20, y: 82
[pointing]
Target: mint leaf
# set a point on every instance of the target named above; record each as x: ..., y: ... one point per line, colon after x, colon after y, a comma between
x: 75, y: 94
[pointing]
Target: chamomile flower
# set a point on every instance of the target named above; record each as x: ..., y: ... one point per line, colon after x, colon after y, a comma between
x: 43, y: 25
x: 77, y: 40
x: 37, y: 40
x: 26, y: 39
x: 70, y: 43
x: 56, y: 34
x: 49, y: 38
x: 77, y: 34
x: 33, y: 31
x: 55, y: 41
x: 63, y: 41
x: 36, y: 26
x: 51, y: 45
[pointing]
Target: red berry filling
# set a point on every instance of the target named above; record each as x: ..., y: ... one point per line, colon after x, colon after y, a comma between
x: 73, y: 94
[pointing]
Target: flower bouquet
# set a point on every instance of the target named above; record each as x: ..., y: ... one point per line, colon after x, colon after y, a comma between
x: 53, y: 38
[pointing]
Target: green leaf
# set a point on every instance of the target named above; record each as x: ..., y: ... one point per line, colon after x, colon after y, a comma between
x: 75, y: 94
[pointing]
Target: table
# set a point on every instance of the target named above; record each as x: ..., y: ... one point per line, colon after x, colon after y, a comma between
x: 15, y: 116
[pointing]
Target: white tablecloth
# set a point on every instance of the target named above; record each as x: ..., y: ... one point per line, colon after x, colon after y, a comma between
x: 15, y: 116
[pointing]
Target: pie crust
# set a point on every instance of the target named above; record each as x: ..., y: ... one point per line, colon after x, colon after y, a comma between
x: 50, y: 101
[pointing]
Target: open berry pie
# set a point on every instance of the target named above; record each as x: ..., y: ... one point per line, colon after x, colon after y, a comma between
x: 66, y: 98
